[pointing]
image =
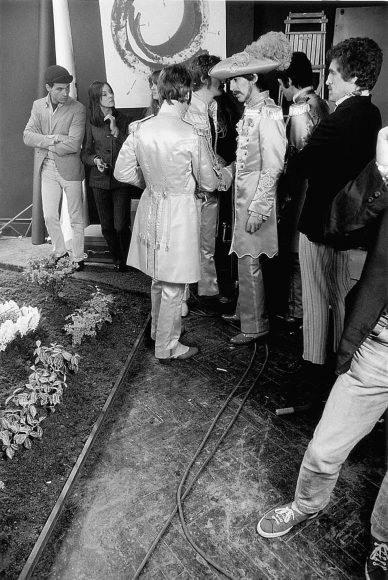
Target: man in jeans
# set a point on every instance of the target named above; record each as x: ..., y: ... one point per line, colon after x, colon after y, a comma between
x: 55, y: 129
x: 360, y: 395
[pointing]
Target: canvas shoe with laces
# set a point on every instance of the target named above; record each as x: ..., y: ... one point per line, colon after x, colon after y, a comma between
x: 279, y: 521
x: 376, y: 565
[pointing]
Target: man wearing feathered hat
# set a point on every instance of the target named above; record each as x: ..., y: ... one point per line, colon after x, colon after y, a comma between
x: 259, y: 161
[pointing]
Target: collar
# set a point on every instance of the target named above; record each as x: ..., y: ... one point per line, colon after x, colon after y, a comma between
x: 364, y: 93
x: 176, y: 109
x: 50, y: 105
x: 199, y: 104
x: 257, y: 101
x: 302, y: 94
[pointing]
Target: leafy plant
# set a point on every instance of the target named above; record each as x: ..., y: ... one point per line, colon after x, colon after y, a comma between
x: 25, y: 408
x: 85, y: 321
x: 50, y: 274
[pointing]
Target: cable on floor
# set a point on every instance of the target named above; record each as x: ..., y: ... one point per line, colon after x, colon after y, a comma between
x: 180, y: 498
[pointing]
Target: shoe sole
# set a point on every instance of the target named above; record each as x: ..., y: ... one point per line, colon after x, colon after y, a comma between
x: 284, y: 532
x: 167, y: 361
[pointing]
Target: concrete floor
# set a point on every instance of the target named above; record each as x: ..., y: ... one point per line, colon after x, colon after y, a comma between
x: 127, y: 489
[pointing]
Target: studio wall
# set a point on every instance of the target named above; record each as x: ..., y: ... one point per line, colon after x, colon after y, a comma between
x: 19, y: 45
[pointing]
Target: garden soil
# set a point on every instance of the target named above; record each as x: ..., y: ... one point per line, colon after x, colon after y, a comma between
x: 31, y: 482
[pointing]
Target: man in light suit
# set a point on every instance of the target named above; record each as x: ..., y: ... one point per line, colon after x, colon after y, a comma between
x: 261, y: 146
x: 202, y: 112
x: 56, y: 128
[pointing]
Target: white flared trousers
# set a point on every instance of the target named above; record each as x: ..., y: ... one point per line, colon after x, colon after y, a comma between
x: 53, y: 186
x: 166, y: 325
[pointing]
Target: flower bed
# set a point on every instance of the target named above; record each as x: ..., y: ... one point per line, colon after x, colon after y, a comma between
x: 31, y: 482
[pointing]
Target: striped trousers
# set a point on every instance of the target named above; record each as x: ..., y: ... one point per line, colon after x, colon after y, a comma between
x: 325, y: 284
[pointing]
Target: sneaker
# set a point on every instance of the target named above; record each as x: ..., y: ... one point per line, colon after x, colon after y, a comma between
x: 376, y: 565
x: 279, y: 521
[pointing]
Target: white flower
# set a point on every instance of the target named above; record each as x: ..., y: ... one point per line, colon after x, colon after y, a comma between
x: 7, y: 333
x: 18, y: 320
x: 9, y: 310
x: 22, y: 325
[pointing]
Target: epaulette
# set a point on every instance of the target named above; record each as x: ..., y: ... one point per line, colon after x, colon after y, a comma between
x: 135, y: 124
x: 271, y: 112
x: 199, y: 128
x: 298, y: 109
x: 202, y: 131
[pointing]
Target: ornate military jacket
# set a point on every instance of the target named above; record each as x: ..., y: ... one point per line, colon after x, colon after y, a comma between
x: 167, y: 156
x: 261, y: 147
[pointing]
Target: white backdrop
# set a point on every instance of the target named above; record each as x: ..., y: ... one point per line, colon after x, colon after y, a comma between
x: 140, y: 36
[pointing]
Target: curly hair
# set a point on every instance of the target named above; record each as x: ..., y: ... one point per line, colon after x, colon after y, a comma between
x: 174, y: 84
x: 199, y: 69
x: 358, y: 57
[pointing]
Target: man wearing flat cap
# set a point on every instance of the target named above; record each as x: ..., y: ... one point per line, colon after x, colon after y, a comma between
x: 261, y: 147
x: 55, y: 129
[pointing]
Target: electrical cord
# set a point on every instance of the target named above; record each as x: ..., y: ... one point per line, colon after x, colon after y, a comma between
x: 180, y: 498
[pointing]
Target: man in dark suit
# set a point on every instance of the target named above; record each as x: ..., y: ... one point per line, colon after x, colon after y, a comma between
x: 360, y: 395
x: 341, y: 145
x: 55, y: 129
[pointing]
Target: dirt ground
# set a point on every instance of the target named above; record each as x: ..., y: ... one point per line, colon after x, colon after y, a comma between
x: 34, y: 479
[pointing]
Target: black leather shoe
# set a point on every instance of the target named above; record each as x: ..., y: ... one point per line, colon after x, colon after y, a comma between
x: 230, y: 317
x: 80, y: 266
x: 193, y: 350
x: 121, y: 268
x: 243, y: 338
x: 66, y: 255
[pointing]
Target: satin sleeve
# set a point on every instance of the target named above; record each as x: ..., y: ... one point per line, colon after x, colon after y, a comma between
x: 272, y: 144
x: 203, y: 167
x: 127, y: 168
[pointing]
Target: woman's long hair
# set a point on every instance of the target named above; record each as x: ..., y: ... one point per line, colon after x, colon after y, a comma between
x: 96, y: 115
x: 154, y: 107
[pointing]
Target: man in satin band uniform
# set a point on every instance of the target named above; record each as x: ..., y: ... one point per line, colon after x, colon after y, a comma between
x: 259, y: 162
x: 202, y: 112
x: 168, y: 156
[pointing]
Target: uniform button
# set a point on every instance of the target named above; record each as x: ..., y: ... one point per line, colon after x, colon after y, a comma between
x: 376, y: 194
x: 370, y: 199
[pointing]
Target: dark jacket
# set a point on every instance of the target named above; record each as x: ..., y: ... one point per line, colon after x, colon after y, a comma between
x: 369, y: 297
x: 99, y: 141
x: 337, y: 151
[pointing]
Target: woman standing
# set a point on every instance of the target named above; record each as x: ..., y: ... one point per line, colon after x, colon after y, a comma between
x: 106, y: 131
x: 168, y: 156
